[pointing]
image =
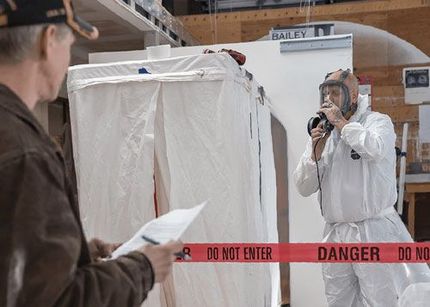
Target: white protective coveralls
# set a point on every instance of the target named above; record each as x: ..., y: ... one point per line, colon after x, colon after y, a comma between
x: 357, y: 205
x: 416, y: 295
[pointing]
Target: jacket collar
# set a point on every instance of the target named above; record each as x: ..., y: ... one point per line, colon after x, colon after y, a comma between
x: 13, y: 104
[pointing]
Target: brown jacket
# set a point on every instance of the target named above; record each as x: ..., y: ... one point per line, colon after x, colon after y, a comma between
x: 44, y: 257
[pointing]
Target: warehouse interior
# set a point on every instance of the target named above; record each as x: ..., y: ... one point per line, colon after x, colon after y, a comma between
x: 385, y: 43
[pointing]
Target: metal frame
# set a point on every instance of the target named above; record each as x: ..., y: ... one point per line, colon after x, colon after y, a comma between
x: 317, y: 43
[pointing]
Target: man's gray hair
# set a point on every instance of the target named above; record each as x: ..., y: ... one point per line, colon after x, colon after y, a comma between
x: 18, y: 43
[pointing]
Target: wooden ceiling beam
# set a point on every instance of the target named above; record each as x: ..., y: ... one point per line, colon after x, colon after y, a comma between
x: 360, y: 7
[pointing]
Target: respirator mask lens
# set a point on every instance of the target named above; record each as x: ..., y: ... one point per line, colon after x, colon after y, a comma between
x: 332, y: 93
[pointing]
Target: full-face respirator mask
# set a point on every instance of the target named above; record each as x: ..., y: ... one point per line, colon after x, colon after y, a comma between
x: 331, y: 88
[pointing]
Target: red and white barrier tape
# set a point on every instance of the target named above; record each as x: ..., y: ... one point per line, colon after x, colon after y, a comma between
x: 308, y: 252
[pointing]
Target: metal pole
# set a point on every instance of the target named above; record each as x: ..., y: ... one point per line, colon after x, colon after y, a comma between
x: 402, y: 168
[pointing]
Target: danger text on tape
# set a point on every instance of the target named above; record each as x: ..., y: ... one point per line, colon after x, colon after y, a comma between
x: 308, y: 252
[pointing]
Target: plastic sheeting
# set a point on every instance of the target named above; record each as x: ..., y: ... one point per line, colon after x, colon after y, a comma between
x: 372, y: 284
x: 416, y: 295
x: 200, y: 126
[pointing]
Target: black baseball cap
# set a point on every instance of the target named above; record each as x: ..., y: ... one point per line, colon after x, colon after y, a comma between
x: 14, y: 13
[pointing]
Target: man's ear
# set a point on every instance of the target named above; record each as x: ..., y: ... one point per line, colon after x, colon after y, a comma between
x: 47, y: 40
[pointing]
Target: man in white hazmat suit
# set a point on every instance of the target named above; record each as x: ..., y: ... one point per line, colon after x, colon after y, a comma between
x: 351, y: 160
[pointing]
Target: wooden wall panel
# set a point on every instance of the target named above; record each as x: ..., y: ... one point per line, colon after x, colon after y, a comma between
x: 388, y: 97
x: 225, y: 32
x: 390, y: 15
x: 413, y: 26
x: 401, y: 113
x: 425, y: 152
x: 388, y: 91
x: 409, y: 20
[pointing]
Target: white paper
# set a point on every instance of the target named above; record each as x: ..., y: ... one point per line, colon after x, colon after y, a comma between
x: 424, y: 131
x: 167, y: 227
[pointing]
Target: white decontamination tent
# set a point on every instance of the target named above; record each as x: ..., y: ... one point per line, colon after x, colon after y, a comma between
x: 153, y: 136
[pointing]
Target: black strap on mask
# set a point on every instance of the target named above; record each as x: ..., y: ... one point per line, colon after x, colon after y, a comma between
x: 343, y: 75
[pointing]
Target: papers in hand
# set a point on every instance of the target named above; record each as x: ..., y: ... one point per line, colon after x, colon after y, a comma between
x: 167, y: 227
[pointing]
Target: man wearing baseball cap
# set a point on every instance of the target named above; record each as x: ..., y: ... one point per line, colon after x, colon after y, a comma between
x: 44, y: 257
